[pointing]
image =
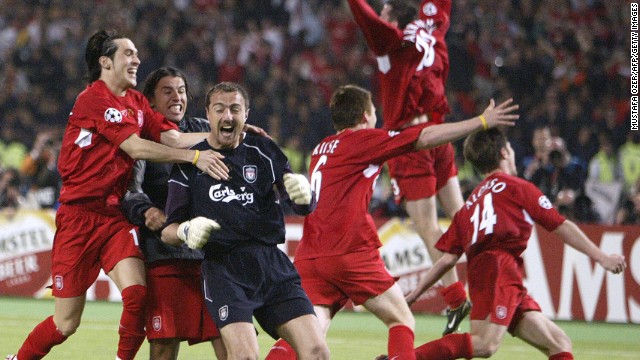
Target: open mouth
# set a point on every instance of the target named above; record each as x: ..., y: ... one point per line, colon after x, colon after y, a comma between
x: 176, y: 108
x: 227, y: 129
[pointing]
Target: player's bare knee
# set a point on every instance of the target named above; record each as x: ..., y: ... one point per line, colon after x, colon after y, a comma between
x: 68, y: 327
x: 485, y: 348
x: 317, y: 352
x: 485, y: 352
x: 243, y: 354
x: 561, y: 343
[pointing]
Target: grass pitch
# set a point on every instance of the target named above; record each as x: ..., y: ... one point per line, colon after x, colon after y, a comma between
x: 352, y: 336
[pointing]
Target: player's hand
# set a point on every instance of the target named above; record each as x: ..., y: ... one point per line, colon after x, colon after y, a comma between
x: 210, y: 162
x: 298, y: 188
x: 614, y: 263
x: 501, y: 114
x: 255, y: 130
x: 195, y: 232
x: 154, y: 218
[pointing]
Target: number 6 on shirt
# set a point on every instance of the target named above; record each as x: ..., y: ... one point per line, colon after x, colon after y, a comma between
x: 316, y: 177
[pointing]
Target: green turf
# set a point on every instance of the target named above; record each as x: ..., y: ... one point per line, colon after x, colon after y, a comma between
x: 352, y: 335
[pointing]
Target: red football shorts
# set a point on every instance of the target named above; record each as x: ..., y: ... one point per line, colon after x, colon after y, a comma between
x: 496, y: 289
x: 333, y: 280
x: 175, y: 304
x: 85, y: 242
x: 420, y: 174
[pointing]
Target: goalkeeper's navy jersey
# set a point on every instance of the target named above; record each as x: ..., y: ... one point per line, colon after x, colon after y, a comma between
x: 149, y: 189
x: 246, y: 206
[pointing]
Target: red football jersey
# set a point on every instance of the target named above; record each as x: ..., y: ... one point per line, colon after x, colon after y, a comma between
x: 343, y: 171
x: 413, y: 63
x: 91, y: 164
x: 498, y: 216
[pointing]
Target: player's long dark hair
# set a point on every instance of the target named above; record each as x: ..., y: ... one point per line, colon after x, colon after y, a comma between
x: 402, y: 11
x: 482, y: 149
x: 100, y: 44
x: 347, y: 105
x: 151, y: 82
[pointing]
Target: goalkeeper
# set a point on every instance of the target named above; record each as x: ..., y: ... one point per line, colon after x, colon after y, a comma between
x: 238, y: 223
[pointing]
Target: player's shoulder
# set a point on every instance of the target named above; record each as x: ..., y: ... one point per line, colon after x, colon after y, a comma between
x: 518, y: 187
x: 357, y: 135
x: 95, y: 90
x: 512, y: 179
x: 195, y: 124
x: 135, y: 94
x: 520, y: 182
x: 260, y: 141
x: 202, y: 145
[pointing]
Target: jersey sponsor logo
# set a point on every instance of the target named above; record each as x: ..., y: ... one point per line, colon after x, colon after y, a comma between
x: 501, y: 312
x: 140, y: 118
x: 59, y: 282
x: 157, y: 323
x: 223, y: 313
x: 226, y: 194
x: 544, y: 202
x: 113, y: 115
x: 250, y: 173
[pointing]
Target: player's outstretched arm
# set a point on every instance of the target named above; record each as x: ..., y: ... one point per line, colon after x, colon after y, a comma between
x: 209, y: 162
x: 444, y: 264
x: 577, y: 239
x: 180, y: 140
x: 501, y: 115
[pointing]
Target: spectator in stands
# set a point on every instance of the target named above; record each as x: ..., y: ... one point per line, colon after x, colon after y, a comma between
x: 40, y: 172
x: 564, y: 173
x: 541, y: 141
x: 629, y: 212
x: 12, y: 148
x: 10, y: 189
x: 604, y: 167
x: 629, y: 157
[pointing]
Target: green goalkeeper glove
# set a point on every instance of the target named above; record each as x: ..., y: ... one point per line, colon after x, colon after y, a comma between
x: 195, y: 232
x: 298, y: 188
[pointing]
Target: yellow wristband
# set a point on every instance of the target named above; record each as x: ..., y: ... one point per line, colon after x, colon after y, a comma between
x: 484, y: 122
x: 195, y: 158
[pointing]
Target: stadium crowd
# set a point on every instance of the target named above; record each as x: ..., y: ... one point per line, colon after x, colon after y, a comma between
x: 565, y: 62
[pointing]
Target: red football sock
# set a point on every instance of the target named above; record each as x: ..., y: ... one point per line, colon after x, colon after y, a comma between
x: 132, y: 321
x: 454, y: 295
x: 401, y: 343
x: 281, y: 350
x: 452, y: 346
x: 562, y: 356
x: 40, y: 341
